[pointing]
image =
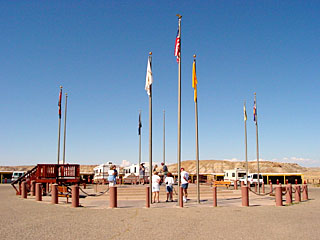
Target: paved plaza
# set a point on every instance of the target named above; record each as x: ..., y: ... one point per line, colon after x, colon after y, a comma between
x: 28, y: 219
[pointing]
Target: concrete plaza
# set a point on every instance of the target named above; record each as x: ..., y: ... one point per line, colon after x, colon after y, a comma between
x: 28, y: 219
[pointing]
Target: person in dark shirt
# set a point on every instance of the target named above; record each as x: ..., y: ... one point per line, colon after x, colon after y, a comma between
x: 142, y: 172
x: 164, y: 170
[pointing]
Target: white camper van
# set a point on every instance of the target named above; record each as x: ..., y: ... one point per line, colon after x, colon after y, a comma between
x: 234, y: 174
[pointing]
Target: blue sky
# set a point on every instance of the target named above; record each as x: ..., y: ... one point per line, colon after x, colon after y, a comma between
x: 97, y: 50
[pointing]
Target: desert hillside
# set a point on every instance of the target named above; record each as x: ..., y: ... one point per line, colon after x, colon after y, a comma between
x: 218, y: 166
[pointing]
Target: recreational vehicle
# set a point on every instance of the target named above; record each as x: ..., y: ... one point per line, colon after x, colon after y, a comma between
x: 234, y: 174
x: 134, y: 170
x: 101, y: 172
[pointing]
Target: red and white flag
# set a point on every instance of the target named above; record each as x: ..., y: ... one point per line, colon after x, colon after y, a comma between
x: 177, y: 47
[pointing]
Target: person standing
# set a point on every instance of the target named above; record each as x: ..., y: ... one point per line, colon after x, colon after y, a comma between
x: 155, y: 168
x: 142, y: 172
x: 112, y: 176
x: 184, y: 183
x: 169, y: 186
x: 164, y: 170
x: 155, y: 186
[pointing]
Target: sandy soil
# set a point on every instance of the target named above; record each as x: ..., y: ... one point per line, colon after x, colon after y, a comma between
x: 27, y: 219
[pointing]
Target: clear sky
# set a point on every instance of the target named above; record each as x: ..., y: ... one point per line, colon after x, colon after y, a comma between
x: 97, y: 50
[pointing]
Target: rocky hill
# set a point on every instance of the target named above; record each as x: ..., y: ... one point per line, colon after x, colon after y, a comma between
x: 218, y: 166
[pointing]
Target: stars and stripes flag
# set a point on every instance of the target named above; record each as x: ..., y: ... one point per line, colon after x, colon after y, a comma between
x: 149, y: 77
x: 59, y: 103
x: 177, y: 47
x: 255, y: 112
x: 140, y: 125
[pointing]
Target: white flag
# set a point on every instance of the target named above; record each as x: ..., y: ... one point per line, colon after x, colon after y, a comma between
x: 149, y: 78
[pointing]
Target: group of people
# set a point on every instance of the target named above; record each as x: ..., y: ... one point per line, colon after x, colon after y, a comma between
x: 169, y: 181
x: 156, y: 181
x: 112, y: 175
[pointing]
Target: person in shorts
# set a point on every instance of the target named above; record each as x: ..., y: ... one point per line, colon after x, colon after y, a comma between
x: 184, y: 183
x: 155, y: 186
x: 169, y: 186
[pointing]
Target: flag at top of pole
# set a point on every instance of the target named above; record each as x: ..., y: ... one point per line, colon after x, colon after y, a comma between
x: 244, y: 112
x: 177, y: 47
x: 255, y: 112
x: 140, y: 125
x: 59, y: 103
x: 194, y: 79
x: 149, y: 77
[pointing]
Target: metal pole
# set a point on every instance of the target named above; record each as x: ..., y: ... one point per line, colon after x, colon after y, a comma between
x: 245, y: 141
x: 150, y: 135
x: 164, y: 138
x: 59, y: 128
x: 179, y: 112
x: 65, y: 129
x: 197, y: 152
x: 197, y: 144
x: 139, y: 139
x: 255, y: 100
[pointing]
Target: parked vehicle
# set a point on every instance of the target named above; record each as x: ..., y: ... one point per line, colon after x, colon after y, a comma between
x: 16, y: 175
x: 253, y: 178
x: 101, y: 172
x: 233, y: 175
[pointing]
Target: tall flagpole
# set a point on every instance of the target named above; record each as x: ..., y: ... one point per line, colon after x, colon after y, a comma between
x: 164, y: 137
x: 59, y: 128
x: 179, y: 111
x: 140, y: 137
x: 65, y: 129
x: 245, y: 139
x: 150, y: 134
x: 196, y: 122
x: 256, y: 120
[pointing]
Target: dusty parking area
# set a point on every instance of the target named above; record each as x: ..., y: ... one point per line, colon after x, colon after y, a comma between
x: 28, y: 219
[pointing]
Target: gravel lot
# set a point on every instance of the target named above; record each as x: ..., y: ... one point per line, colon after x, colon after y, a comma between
x: 28, y: 219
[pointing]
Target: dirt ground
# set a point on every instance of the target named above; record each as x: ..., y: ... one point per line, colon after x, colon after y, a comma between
x: 28, y: 219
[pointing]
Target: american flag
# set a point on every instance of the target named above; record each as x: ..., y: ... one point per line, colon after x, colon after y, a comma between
x: 59, y: 103
x: 177, y: 47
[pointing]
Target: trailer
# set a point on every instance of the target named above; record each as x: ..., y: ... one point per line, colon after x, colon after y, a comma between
x: 233, y: 175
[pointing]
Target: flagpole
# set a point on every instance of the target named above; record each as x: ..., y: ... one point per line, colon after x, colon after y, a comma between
x: 139, y: 138
x: 150, y: 135
x: 59, y: 128
x: 245, y: 141
x: 164, y: 137
x: 179, y: 113
x: 197, y: 142
x: 256, y: 115
x: 65, y: 129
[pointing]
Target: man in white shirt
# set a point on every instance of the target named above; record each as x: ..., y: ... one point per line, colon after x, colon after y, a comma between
x: 184, y: 183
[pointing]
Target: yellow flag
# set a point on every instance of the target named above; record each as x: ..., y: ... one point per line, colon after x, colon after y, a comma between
x: 245, y: 112
x: 194, y: 80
